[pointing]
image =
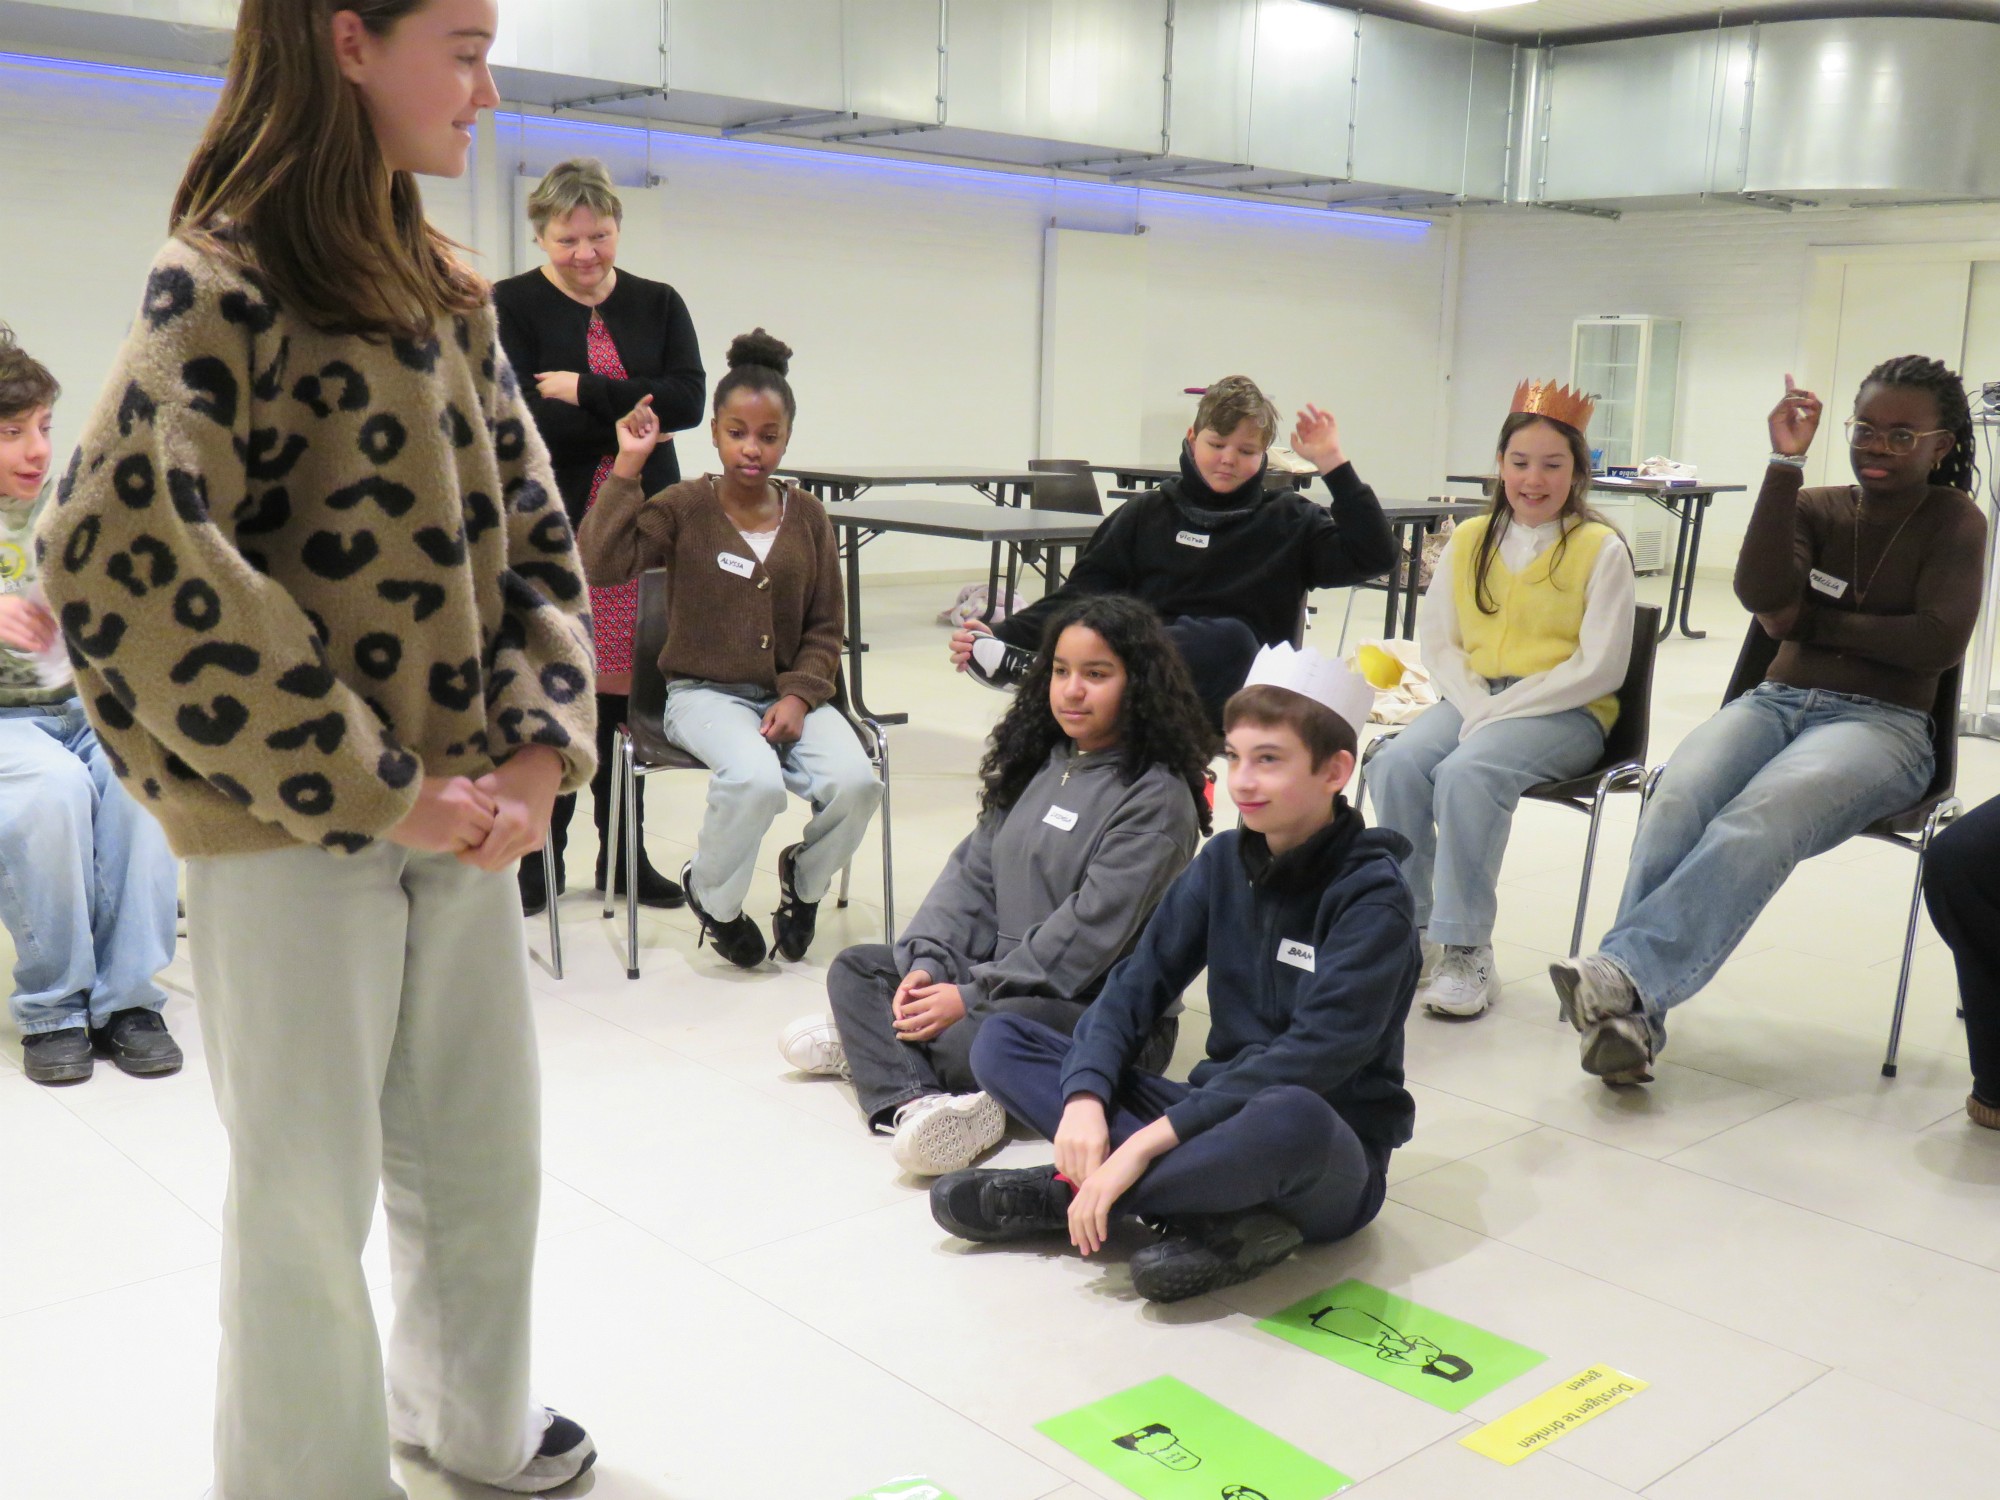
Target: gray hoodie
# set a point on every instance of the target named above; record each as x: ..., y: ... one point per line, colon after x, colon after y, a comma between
x: 1044, y: 898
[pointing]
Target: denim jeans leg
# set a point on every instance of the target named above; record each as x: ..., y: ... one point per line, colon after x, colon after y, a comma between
x: 1402, y: 781
x: 1849, y: 762
x: 827, y: 766
x: 46, y: 879
x: 886, y: 1070
x: 746, y: 786
x: 133, y: 890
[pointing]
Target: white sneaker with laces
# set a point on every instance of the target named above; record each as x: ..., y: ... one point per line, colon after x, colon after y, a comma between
x: 942, y: 1133
x: 812, y: 1045
x: 1463, y: 982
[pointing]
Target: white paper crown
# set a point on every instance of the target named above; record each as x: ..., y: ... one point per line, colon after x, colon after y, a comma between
x: 1329, y: 682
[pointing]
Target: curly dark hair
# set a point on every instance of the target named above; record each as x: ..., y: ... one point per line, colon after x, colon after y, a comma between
x: 759, y: 362
x: 1959, y: 468
x: 1162, y: 721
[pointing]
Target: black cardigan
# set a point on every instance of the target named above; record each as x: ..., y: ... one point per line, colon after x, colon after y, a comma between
x: 543, y: 328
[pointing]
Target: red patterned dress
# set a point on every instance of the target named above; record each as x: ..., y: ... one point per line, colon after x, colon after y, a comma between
x: 613, y: 610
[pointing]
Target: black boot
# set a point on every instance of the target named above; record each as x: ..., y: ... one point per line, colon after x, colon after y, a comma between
x: 534, y: 889
x: 655, y: 889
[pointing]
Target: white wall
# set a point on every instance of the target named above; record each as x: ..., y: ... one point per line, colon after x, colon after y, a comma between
x: 1736, y: 277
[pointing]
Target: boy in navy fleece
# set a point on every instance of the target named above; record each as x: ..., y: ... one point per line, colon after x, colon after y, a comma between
x: 1283, y: 1132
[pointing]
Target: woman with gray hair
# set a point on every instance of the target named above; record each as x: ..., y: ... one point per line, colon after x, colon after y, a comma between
x: 587, y: 341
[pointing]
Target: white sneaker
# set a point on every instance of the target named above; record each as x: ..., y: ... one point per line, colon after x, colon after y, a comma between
x: 812, y: 1045
x: 942, y: 1133
x: 1463, y: 982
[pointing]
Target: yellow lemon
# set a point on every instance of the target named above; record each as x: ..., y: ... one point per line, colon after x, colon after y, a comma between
x: 1380, y: 668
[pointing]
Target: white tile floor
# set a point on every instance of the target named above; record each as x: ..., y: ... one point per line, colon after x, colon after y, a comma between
x: 742, y: 1298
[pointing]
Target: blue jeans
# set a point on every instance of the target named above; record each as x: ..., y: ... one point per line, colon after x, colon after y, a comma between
x: 748, y: 778
x: 1779, y: 775
x: 1455, y: 804
x: 86, y: 878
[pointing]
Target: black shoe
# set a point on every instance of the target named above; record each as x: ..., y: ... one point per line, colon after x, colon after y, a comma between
x: 57, y: 1056
x: 998, y: 664
x: 138, y: 1042
x: 534, y: 887
x: 793, y: 923
x: 654, y: 888
x: 566, y: 1452
x: 989, y: 1204
x: 739, y: 940
x: 1206, y: 1252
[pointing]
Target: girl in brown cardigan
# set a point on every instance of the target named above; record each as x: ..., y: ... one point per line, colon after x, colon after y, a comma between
x: 753, y: 644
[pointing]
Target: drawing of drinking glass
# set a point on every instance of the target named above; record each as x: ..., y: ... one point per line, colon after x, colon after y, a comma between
x: 1369, y: 1331
x: 1156, y: 1441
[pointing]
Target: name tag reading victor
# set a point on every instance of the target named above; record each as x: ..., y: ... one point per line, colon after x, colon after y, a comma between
x: 742, y: 567
x: 1191, y: 538
x: 1060, y: 817
x: 1298, y: 955
x: 1828, y: 585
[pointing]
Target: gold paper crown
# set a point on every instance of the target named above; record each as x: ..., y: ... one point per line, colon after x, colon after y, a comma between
x: 1547, y: 399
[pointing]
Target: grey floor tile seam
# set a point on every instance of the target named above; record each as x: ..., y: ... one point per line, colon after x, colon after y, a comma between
x: 91, y: 1125
x: 102, y: 1291
x: 1742, y: 1426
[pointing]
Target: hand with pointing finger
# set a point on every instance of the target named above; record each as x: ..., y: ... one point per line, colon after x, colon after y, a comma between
x: 1794, y: 421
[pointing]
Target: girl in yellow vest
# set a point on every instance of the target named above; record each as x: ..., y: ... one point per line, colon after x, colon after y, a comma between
x: 1527, y: 630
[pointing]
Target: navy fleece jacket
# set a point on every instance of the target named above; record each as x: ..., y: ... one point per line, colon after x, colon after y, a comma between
x: 1312, y: 959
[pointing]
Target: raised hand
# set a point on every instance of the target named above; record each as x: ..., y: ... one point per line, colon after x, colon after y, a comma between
x: 1316, y: 439
x: 1794, y: 421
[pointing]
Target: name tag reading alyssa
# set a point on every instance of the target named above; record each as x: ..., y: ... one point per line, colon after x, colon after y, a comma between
x: 1191, y: 538
x: 1060, y: 817
x: 1828, y: 585
x: 1298, y: 955
x: 742, y: 567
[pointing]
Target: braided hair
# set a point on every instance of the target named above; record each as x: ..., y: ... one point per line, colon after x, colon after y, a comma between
x: 758, y: 362
x: 1959, y: 468
x: 1161, y: 721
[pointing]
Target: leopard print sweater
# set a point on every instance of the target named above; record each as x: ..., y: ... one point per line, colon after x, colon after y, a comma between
x: 297, y: 570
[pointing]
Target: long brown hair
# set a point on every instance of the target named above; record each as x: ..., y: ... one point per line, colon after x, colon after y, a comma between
x: 289, y: 181
x: 1577, y: 505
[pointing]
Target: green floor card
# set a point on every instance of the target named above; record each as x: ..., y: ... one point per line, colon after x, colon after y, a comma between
x: 1167, y: 1441
x: 1423, y: 1353
x: 914, y: 1488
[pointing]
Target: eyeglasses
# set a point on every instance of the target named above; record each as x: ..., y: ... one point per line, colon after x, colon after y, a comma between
x: 1892, y: 440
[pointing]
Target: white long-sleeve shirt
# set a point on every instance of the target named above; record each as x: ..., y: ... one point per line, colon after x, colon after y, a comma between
x: 1604, y: 644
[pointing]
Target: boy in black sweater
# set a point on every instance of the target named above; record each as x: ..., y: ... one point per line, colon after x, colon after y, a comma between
x: 1283, y: 1132
x: 1225, y: 563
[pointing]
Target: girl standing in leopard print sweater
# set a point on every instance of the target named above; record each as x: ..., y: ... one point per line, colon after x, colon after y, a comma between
x: 327, y: 616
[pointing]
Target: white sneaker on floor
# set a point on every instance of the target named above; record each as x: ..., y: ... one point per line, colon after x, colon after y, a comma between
x: 1464, y: 982
x: 812, y: 1045
x: 565, y: 1453
x: 942, y: 1133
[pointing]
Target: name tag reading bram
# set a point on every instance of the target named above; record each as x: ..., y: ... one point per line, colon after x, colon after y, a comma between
x: 1191, y: 538
x: 742, y: 567
x: 1298, y: 955
x: 1060, y: 817
x: 1828, y: 585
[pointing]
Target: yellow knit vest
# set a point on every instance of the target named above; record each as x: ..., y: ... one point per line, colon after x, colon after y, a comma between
x: 1540, y: 619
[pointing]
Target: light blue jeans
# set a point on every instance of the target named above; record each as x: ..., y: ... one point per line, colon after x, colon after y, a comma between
x: 1779, y: 775
x: 86, y: 878
x: 748, y: 779
x: 1455, y: 804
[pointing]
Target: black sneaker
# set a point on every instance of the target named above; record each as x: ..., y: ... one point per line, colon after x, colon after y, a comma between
x: 998, y: 664
x: 989, y: 1204
x: 57, y: 1056
x: 739, y: 940
x: 654, y: 888
x: 534, y: 887
x: 793, y: 923
x: 137, y: 1040
x: 565, y: 1453
x: 1206, y: 1252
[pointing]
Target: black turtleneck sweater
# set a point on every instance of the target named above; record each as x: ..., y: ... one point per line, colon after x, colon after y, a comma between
x: 1249, y: 555
x: 1312, y: 958
x: 543, y: 328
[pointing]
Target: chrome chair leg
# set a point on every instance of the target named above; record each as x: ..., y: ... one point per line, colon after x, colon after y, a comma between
x: 633, y: 833
x: 1942, y: 814
x: 555, y: 923
x: 618, y: 754
x: 888, y: 845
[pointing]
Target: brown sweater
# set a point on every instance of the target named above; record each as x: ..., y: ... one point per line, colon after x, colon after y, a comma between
x: 1922, y: 585
x: 730, y: 618
x: 297, y: 570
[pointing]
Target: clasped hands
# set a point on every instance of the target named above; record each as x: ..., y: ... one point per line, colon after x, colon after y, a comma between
x: 1102, y: 1176
x: 489, y: 822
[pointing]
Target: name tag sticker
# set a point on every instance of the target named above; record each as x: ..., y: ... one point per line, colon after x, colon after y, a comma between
x: 729, y: 562
x: 1828, y: 585
x: 1191, y: 538
x: 1060, y: 817
x: 1298, y: 955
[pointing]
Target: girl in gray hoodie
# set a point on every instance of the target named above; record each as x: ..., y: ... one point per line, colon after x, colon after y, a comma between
x: 1095, y: 796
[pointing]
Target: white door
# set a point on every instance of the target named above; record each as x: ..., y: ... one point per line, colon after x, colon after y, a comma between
x: 1887, y: 307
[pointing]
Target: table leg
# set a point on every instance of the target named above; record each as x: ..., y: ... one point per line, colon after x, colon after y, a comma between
x: 992, y: 584
x: 1699, y: 504
x: 1414, y: 589
x: 855, y: 695
x: 1684, y: 516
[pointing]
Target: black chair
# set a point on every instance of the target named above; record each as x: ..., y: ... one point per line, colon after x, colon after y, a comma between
x: 1067, y: 485
x: 1913, y: 828
x: 641, y: 748
x: 1622, y: 766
